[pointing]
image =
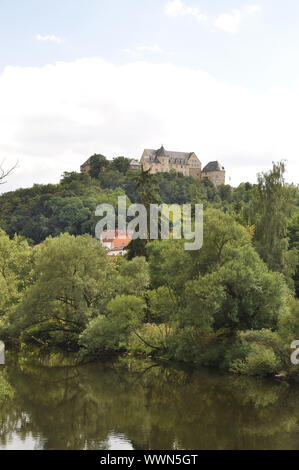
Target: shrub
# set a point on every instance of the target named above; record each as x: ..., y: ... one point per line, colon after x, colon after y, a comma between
x: 260, y: 361
x: 149, y: 338
x: 185, y: 345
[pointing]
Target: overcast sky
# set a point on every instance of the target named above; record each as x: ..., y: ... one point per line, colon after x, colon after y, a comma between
x: 216, y: 77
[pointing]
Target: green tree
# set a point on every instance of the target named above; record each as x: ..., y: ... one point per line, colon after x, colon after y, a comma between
x: 120, y: 164
x: 133, y: 277
x: 97, y: 163
x: 239, y: 295
x: 15, y: 275
x: 271, y: 210
x: 72, y: 283
x: 111, y: 332
x: 212, y: 294
x: 69, y: 178
x: 293, y: 233
x: 147, y: 191
x: 225, y: 192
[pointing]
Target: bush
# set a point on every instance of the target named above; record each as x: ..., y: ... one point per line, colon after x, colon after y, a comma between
x: 112, y: 332
x: 289, y: 323
x: 260, y: 361
x: 149, y: 338
x: 185, y: 345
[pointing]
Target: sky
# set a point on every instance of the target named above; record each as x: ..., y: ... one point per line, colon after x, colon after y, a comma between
x: 216, y: 77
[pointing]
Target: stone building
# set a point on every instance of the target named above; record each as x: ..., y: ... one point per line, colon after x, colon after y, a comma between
x: 135, y: 165
x: 214, y: 172
x: 164, y: 161
x: 116, y: 241
x: 85, y: 168
x: 187, y: 163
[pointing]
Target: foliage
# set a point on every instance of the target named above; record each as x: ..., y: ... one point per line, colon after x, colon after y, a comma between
x: 260, y: 361
x: 6, y: 391
x: 264, y: 355
x: 43, y: 211
x: 150, y: 338
x: 133, y: 277
x: 71, y: 281
x: 146, y: 187
x: 228, y: 305
x: 289, y: 323
x: 97, y: 163
x: 120, y: 164
x: 15, y: 273
x: 271, y: 211
x: 111, y: 332
x: 293, y: 234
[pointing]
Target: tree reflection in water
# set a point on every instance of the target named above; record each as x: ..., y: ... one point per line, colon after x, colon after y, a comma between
x: 140, y: 405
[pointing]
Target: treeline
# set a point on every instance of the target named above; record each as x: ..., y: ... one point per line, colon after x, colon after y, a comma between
x: 49, y: 210
x: 230, y: 305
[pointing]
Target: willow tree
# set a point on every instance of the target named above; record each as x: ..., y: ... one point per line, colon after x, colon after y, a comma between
x: 72, y: 281
x: 272, y: 209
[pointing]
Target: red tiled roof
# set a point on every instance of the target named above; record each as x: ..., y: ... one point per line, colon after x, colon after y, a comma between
x: 121, y: 243
x: 119, y: 239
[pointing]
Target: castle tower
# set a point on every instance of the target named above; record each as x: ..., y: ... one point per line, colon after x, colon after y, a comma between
x: 214, y: 172
x: 163, y: 158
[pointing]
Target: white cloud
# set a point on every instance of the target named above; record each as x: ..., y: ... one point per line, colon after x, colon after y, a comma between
x: 49, y: 38
x: 175, y: 8
x: 54, y: 117
x: 154, y: 49
x: 230, y: 22
x: 254, y: 8
x: 227, y: 22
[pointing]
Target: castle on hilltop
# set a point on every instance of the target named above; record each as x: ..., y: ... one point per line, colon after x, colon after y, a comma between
x: 165, y: 161
x: 187, y: 163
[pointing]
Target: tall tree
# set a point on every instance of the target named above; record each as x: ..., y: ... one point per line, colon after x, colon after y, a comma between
x: 272, y: 209
x: 147, y: 191
x: 294, y: 243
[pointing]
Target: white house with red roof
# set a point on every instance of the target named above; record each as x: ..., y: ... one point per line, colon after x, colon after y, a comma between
x: 116, y: 241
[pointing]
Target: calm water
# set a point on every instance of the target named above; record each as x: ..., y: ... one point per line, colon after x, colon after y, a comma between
x: 142, y: 405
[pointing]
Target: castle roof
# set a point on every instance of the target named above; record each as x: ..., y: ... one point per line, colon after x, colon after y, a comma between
x: 174, y: 157
x: 161, y: 152
x: 212, y: 166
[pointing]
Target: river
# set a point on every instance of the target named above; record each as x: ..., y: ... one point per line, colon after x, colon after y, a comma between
x: 138, y: 404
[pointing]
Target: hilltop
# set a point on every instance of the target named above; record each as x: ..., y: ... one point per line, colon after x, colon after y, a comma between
x: 69, y: 206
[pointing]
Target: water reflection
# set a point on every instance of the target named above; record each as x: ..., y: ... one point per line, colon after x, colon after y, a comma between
x: 141, y: 405
x: 118, y: 442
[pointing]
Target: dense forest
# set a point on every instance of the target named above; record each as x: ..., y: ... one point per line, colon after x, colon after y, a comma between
x: 50, y: 210
x: 232, y: 305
